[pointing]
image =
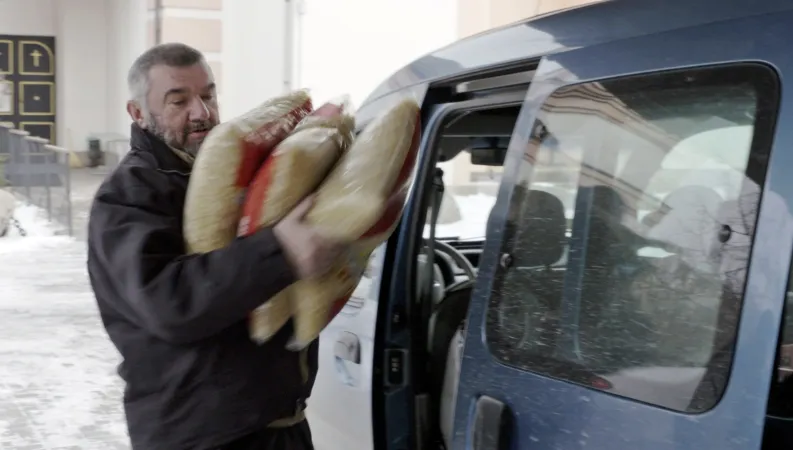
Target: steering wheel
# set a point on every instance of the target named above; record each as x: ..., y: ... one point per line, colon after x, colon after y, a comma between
x: 457, y: 258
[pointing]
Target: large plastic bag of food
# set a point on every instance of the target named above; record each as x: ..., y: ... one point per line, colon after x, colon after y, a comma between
x: 293, y: 171
x: 360, y: 202
x: 226, y: 164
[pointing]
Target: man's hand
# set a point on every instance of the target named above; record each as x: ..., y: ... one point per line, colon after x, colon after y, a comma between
x: 311, y: 255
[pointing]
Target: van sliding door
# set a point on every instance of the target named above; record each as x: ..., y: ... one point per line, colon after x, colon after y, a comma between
x: 631, y: 290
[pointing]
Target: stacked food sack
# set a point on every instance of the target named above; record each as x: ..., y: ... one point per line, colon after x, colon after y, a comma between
x: 275, y: 156
x: 293, y: 171
x: 227, y: 163
x: 360, y: 203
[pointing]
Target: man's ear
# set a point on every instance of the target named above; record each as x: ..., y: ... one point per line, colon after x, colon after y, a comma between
x: 136, y: 113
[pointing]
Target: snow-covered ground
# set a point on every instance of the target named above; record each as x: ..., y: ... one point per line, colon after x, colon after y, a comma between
x: 58, y: 383
x: 474, y: 212
x: 58, y: 386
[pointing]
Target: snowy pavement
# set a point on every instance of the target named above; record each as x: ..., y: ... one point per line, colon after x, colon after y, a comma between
x: 84, y: 185
x: 58, y: 385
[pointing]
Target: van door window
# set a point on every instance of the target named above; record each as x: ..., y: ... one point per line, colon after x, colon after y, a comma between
x: 469, y: 196
x: 627, y: 246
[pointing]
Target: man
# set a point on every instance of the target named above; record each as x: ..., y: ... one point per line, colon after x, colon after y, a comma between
x: 193, y: 378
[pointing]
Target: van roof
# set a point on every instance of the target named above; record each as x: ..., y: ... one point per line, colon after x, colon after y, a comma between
x: 577, y: 27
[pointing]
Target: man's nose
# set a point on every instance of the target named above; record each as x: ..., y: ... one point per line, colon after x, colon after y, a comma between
x: 199, y: 110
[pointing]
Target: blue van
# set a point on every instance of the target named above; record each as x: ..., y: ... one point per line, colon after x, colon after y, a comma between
x: 596, y: 250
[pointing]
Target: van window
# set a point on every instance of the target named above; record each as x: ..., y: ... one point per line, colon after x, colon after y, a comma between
x: 627, y: 243
x: 469, y: 196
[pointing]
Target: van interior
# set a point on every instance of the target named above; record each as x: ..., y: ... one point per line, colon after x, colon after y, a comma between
x: 448, y: 252
x: 447, y: 266
x: 459, y: 191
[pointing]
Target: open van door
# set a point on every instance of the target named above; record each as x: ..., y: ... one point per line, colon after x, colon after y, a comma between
x: 340, y: 407
x: 626, y: 298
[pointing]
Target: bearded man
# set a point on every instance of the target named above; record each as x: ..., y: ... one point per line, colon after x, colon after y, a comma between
x: 194, y: 380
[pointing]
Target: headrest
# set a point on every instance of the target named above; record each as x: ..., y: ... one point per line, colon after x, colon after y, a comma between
x: 544, y: 220
x: 607, y: 204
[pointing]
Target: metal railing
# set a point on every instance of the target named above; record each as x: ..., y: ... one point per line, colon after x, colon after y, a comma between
x: 40, y: 172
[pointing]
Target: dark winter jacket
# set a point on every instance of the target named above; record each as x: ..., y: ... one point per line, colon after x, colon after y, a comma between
x: 194, y: 380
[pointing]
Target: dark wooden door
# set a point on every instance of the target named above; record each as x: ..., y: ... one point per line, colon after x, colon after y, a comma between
x: 27, y: 84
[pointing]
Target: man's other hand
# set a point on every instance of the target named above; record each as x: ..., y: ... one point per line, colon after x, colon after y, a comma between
x: 311, y: 254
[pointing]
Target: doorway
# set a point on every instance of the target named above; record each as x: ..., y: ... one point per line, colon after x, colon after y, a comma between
x: 27, y: 84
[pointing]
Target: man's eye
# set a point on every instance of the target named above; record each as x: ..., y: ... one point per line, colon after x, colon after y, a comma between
x: 179, y: 102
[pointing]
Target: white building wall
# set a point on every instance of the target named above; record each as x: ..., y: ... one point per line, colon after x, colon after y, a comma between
x: 340, y: 47
x: 27, y: 17
x: 351, y: 46
x: 337, y: 46
x: 253, y: 54
x: 480, y: 15
x: 126, y: 40
x: 81, y: 70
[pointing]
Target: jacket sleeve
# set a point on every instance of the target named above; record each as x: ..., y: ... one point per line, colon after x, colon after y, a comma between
x: 137, y: 245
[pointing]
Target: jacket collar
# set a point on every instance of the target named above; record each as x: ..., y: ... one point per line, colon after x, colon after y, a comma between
x: 167, y: 158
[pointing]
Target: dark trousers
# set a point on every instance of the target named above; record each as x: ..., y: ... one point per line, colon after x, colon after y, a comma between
x: 296, y: 437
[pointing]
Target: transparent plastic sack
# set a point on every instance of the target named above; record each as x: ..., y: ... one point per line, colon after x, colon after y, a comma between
x: 360, y: 202
x: 293, y: 170
x: 226, y: 164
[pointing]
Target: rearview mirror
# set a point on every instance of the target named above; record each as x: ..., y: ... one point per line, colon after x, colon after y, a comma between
x: 488, y: 152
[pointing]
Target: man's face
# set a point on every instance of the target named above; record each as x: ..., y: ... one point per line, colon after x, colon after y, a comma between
x: 181, y: 106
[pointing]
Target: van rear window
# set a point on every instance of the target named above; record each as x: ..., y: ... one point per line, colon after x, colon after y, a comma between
x: 627, y: 247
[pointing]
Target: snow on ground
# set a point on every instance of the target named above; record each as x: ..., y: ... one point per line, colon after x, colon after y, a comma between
x: 58, y: 385
x: 474, y: 212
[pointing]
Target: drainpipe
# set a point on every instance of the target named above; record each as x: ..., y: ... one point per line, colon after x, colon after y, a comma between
x: 289, y: 44
x: 298, y: 50
x: 293, y: 43
x: 157, y: 22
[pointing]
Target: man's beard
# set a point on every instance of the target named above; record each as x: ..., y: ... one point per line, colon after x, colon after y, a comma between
x: 175, y: 140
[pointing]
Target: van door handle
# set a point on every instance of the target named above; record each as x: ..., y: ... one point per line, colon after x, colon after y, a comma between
x: 348, y: 347
x: 491, y: 427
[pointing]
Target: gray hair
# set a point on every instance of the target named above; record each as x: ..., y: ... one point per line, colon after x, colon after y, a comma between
x: 170, y: 54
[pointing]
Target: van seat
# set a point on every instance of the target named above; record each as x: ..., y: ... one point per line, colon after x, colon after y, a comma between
x: 449, y: 392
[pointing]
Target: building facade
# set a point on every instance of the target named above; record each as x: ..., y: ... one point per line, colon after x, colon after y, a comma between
x: 198, y: 23
x: 257, y: 49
